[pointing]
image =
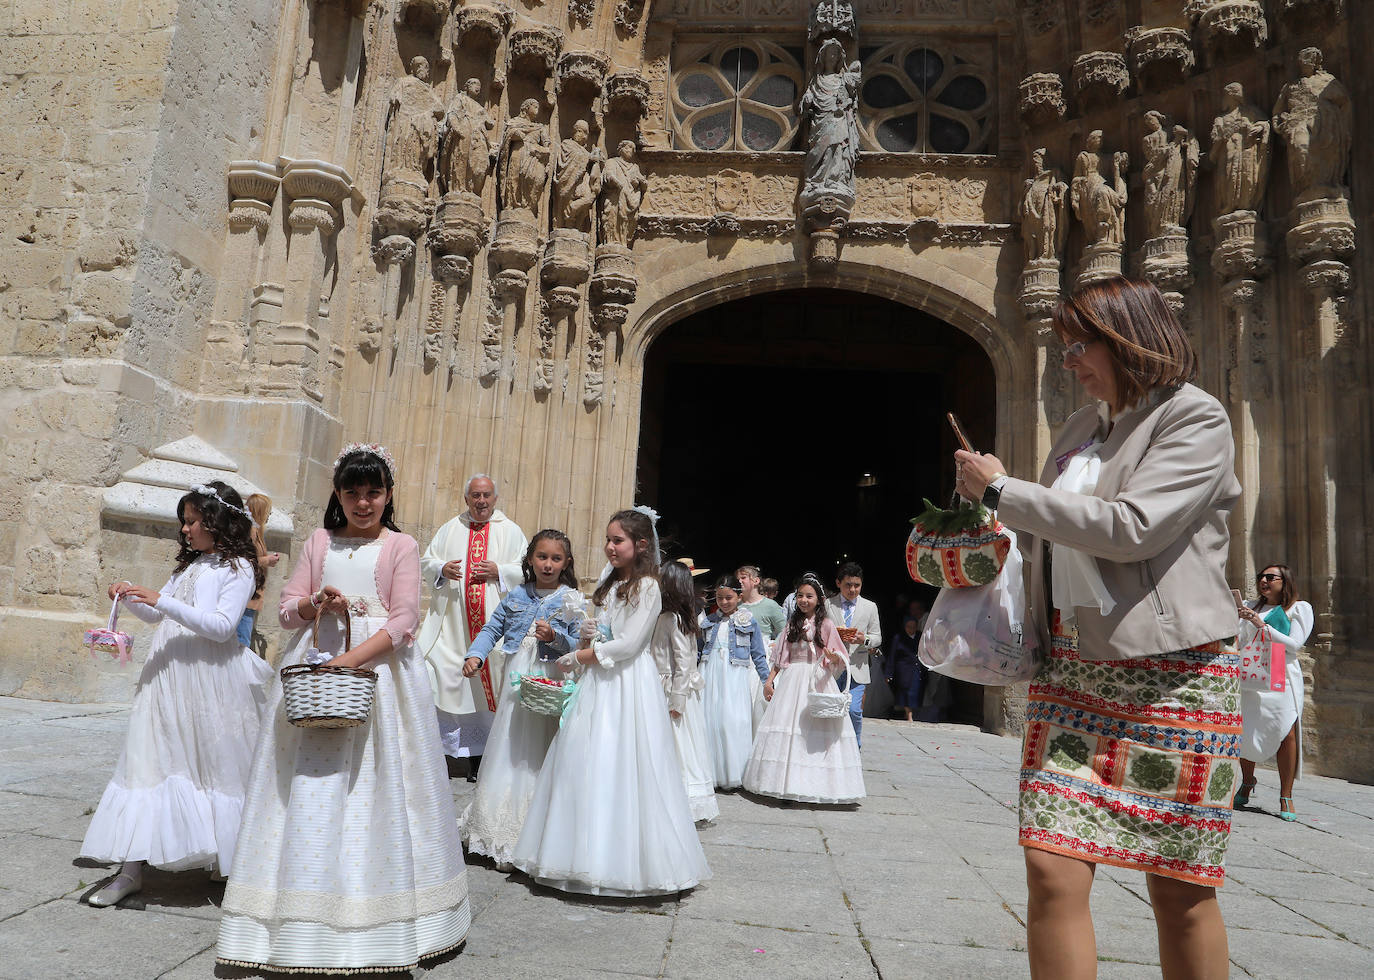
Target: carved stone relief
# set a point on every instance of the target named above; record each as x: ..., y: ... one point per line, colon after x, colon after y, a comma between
x: 1240, y: 152
x: 1098, y: 194
x: 622, y: 195
x: 577, y: 179
x: 1313, y: 118
x: 534, y: 50
x: 524, y: 163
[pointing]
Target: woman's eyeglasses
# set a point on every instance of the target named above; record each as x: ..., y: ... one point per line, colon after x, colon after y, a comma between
x: 1268, y: 577
x: 1074, y: 352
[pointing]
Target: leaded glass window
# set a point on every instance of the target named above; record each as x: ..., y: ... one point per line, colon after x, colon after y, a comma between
x: 735, y: 94
x: 919, y: 96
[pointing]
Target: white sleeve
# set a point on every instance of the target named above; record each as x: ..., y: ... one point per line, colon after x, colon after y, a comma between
x: 432, y: 562
x: 635, y: 631
x: 1300, y: 618
x: 222, y: 593
x: 150, y: 614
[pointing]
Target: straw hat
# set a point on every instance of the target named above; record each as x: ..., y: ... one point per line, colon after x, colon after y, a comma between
x: 692, y: 567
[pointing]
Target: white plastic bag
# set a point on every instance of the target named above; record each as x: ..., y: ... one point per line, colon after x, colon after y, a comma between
x: 980, y: 635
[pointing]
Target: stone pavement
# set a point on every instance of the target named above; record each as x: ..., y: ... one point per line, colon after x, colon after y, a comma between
x: 923, y: 880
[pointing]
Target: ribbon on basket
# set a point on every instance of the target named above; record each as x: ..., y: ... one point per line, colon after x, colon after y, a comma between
x: 118, y: 643
x: 568, y: 689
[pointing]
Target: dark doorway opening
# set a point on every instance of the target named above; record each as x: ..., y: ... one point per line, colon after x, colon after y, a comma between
x: 799, y: 429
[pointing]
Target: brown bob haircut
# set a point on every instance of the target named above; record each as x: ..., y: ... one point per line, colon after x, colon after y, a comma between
x: 1289, y: 594
x: 1148, y: 346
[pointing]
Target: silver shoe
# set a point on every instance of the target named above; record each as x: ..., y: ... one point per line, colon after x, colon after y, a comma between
x: 116, y: 891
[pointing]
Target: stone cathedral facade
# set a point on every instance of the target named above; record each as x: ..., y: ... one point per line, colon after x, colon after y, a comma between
x: 239, y: 234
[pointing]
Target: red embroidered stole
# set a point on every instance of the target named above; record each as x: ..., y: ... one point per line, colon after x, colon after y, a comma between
x: 475, y: 598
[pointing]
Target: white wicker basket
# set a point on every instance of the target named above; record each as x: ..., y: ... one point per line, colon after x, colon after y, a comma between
x: 543, y: 699
x: 823, y: 704
x: 322, y: 696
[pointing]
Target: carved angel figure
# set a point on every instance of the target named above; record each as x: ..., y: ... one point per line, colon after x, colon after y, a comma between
x: 1171, y: 162
x: 524, y: 160
x: 1313, y: 116
x: 577, y: 180
x: 1100, y: 205
x: 622, y: 194
x: 1043, y: 224
x: 832, y: 134
x: 412, y: 125
x: 465, y: 153
x: 1240, y: 152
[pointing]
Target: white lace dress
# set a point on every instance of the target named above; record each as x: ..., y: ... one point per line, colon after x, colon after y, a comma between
x: 176, y: 796
x: 728, y: 700
x: 796, y: 756
x: 349, y: 856
x: 675, y: 653
x: 609, y: 814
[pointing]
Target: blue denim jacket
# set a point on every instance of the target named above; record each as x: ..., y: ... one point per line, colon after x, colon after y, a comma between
x: 511, y: 622
x: 746, y: 639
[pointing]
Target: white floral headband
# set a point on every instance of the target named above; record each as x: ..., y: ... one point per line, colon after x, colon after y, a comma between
x: 208, y: 491
x: 372, y: 448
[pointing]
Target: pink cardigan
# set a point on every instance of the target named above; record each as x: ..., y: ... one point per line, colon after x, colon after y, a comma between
x: 397, y: 575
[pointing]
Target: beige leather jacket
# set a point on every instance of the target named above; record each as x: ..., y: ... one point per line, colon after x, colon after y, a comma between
x: 1156, y: 525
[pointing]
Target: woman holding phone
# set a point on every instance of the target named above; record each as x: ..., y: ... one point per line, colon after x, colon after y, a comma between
x: 1131, y: 753
x: 1273, y: 719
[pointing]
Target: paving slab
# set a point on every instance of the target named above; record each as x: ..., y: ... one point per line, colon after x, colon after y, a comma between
x: 924, y: 879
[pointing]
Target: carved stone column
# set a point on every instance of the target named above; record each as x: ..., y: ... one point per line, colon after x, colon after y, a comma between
x: 1246, y: 369
x: 253, y: 188
x: 565, y: 268
x: 316, y: 190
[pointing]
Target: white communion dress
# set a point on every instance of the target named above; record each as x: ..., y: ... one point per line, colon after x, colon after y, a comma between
x: 675, y: 653
x: 796, y: 756
x: 728, y: 700
x: 609, y: 814
x: 349, y: 856
x: 515, y: 750
x: 176, y: 796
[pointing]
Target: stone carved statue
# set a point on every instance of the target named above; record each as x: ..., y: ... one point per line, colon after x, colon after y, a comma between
x: 412, y: 125
x: 1313, y: 116
x: 465, y: 151
x: 832, y: 134
x: 1240, y: 152
x: 577, y: 179
x: 1170, y: 178
x: 1098, y: 197
x: 1043, y: 220
x: 524, y: 160
x: 622, y: 194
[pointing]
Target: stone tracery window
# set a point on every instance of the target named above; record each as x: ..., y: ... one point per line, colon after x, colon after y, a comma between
x: 735, y: 94
x: 920, y: 96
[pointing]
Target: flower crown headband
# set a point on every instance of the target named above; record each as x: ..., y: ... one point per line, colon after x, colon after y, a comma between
x: 371, y: 448
x: 208, y: 491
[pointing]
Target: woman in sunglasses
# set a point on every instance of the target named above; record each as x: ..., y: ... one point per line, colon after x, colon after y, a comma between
x: 1273, y: 719
x: 1132, y: 742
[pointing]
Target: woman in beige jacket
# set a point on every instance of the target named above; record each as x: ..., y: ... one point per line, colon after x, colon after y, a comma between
x: 1131, y: 752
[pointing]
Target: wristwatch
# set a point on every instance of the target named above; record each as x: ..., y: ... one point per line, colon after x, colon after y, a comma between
x: 992, y: 496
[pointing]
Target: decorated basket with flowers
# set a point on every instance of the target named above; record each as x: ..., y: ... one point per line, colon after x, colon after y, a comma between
x: 107, y: 639
x: 544, y: 695
x: 957, y: 548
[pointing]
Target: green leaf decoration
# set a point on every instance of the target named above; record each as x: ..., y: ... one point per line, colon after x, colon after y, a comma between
x: 939, y: 520
x: 929, y: 567
x: 1069, y: 751
x: 1223, y: 776
x: 979, y: 568
x: 1153, y: 771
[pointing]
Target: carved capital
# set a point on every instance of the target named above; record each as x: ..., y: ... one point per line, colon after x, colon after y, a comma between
x: 247, y: 214
x: 459, y: 227
x: 316, y: 179
x: 610, y: 317
x: 516, y: 245
x: 563, y: 300
x: 1164, y: 262
x: 313, y: 214
x: 566, y: 262
x: 1160, y: 57
x: 1233, y: 27
x: 582, y: 72
x: 1099, y: 77
x: 627, y: 94
x: 254, y: 180
x: 486, y: 22
x: 401, y: 210
x: 1039, y: 292
x: 1327, y: 278
x: 1042, y: 99
x: 451, y: 269
x: 510, y: 284
x: 614, y: 280
x: 1242, y: 295
x: 393, y: 250
x: 1322, y: 229
x: 1100, y: 261
x: 534, y: 51
x: 1240, y: 248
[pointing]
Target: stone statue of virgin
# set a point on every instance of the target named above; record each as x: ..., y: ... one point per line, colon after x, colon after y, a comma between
x: 832, y: 134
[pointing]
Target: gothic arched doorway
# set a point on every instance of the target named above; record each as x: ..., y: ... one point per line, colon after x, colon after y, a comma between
x: 797, y: 429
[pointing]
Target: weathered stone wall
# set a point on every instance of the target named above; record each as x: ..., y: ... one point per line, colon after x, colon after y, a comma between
x: 109, y: 260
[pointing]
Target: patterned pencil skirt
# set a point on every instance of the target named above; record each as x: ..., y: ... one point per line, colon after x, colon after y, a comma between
x: 1133, y: 762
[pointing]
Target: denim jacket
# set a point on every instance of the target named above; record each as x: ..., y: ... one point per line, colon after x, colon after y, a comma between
x: 746, y: 639
x: 511, y: 622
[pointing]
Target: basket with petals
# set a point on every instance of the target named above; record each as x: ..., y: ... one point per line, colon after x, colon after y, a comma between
x: 323, y: 696
x: 107, y: 639
x: 544, y: 695
x: 959, y: 548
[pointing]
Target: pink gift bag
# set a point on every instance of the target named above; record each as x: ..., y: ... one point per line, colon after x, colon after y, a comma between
x: 1262, y: 664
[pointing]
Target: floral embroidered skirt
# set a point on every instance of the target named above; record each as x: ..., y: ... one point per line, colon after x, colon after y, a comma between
x: 1133, y: 762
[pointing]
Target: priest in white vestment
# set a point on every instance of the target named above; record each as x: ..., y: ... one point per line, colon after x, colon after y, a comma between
x: 472, y: 560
